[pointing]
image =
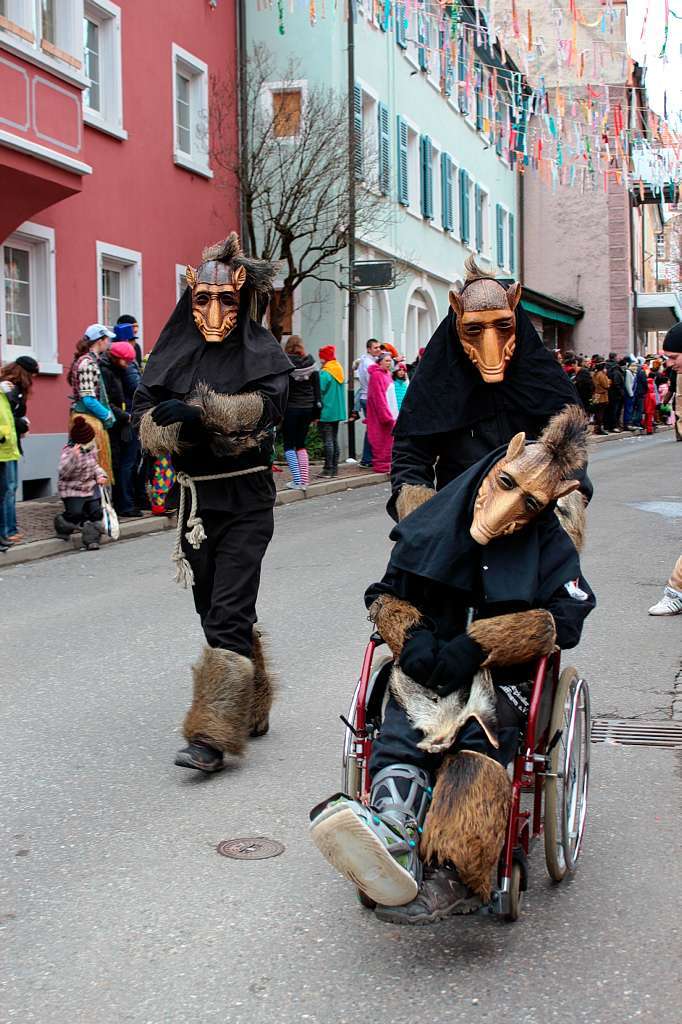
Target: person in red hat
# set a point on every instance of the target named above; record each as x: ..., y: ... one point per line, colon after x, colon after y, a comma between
x: 333, y: 410
x: 114, y: 366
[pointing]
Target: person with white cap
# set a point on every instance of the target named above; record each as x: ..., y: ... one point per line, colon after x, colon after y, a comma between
x: 89, y: 398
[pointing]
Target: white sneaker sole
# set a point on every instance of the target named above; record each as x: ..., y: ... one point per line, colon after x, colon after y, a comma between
x: 359, y: 856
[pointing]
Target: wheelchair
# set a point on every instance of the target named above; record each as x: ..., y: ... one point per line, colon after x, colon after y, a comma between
x: 550, y: 771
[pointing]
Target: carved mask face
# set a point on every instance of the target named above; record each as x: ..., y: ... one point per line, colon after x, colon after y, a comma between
x: 215, y: 298
x: 486, y: 325
x: 516, y: 490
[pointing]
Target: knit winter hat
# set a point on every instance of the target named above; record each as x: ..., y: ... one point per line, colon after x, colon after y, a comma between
x: 81, y: 432
x: 123, y: 350
x: 327, y: 353
x: 673, y: 339
x: 28, y: 363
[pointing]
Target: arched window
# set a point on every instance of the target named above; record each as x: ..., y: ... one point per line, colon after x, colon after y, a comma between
x: 419, y: 323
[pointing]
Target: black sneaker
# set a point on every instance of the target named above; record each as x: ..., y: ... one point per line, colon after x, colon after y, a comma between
x: 441, y: 895
x: 201, y: 756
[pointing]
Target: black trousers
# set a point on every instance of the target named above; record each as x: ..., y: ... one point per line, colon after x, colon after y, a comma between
x: 398, y: 739
x: 227, y: 575
x: 295, y: 428
x: 330, y: 436
x: 83, y: 510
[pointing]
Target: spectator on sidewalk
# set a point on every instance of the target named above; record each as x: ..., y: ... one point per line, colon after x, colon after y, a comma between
x: 114, y: 365
x: 333, y: 409
x: 369, y: 359
x: 600, y: 401
x: 302, y: 409
x: 16, y: 381
x: 401, y: 383
x: 382, y: 412
x: 628, y: 395
x: 128, y: 329
x: 584, y: 384
x: 80, y: 476
x: 650, y: 406
x: 616, y: 393
x: 89, y: 398
x: 640, y: 388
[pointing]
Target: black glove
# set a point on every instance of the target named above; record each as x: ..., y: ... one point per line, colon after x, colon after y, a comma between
x: 418, y: 656
x: 175, y: 411
x: 456, y: 665
x: 121, y: 417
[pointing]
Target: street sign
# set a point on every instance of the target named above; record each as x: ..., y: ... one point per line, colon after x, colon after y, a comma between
x: 373, y: 274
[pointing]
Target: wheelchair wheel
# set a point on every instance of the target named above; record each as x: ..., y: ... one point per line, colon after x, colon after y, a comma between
x: 567, y: 778
x: 514, y: 894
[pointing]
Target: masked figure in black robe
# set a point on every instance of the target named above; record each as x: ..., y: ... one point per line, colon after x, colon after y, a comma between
x: 484, y: 377
x: 482, y: 582
x: 215, y: 386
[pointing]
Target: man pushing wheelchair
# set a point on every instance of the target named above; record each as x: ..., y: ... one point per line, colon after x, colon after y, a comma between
x: 482, y: 581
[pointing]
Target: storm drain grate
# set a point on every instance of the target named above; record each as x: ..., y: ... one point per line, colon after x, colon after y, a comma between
x: 636, y: 734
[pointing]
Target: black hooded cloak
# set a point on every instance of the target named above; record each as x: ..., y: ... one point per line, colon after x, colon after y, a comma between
x: 450, y: 418
x: 438, y: 567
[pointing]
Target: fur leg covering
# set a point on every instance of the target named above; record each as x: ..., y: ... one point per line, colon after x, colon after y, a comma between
x: 412, y: 497
x: 223, y: 696
x: 516, y: 638
x: 263, y: 689
x: 572, y: 515
x: 393, y: 618
x: 467, y: 819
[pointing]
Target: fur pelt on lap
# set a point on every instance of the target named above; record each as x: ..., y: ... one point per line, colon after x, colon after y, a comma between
x: 467, y: 819
x: 223, y: 699
x: 441, y: 718
x: 516, y: 638
x: 572, y: 515
x: 412, y: 497
x: 393, y: 617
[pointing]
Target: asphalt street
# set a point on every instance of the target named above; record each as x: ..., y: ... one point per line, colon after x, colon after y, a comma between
x: 114, y: 904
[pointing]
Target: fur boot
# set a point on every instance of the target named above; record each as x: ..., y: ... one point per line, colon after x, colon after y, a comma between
x: 393, y: 618
x: 516, y: 638
x: 223, y: 696
x: 263, y: 689
x: 467, y: 819
x: 90, y: 533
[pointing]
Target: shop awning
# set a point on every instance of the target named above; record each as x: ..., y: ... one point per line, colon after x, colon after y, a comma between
x: 658, y: 311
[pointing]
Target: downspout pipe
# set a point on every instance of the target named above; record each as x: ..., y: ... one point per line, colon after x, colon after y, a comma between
x: 242, y: 119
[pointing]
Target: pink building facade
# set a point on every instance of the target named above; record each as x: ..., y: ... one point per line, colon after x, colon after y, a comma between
x: 106, y: 186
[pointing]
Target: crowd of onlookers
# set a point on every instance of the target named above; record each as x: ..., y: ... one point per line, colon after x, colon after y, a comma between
x: 623, y: 393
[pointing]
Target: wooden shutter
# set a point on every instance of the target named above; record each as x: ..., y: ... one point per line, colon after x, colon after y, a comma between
x: 462, y: 75
x: 512, y: 244
x: 421, y: 37
x: 499, y: 224
x: 478, y: 224
x: 384, y: 150
x: 464, y: 206
x: 357, y: 124
x: 446, y: 191
x: 479, y: 95
x: 403, y: 181
x: 426, y: 177
x: 400, y: 26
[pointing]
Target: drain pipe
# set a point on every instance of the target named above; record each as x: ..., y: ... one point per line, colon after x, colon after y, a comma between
x: 242, y: 119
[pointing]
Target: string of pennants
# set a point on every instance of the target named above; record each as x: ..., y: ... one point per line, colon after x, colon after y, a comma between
x: 581, y: 135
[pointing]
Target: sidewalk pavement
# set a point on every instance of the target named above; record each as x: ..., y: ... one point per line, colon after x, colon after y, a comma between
x: 35, y: 518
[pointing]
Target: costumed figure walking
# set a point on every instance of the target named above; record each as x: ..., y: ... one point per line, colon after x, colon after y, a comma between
x: 484, y: 377
x: 213, y: 390
x: 482, y: 581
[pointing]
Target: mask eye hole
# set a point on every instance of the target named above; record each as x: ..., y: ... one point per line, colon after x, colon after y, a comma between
x: 532, y: 504
x: 226, y: 299
x: 201, y: 299
x: 506, y: 482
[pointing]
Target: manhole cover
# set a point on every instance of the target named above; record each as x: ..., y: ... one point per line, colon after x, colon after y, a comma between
x: 252, y: 848
x: 637, y: 734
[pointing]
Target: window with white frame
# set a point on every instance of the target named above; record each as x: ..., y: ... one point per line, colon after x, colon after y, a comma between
x: 51, y: 26
x: 437, y: 219
x: 419, y: 325
x: 119, y: 284
x: 481, y: 221
x: 190, y: 112
x: 103, y: 98
x: 413, y: 171
x: 28, y: 305
x: 502, y: 236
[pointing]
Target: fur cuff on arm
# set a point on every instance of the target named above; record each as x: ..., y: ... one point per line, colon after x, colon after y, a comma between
x: 232, y: 420
x: 513, y: 639
x: 393, y: 618
x: 412, y: 497
x: 156, y: 440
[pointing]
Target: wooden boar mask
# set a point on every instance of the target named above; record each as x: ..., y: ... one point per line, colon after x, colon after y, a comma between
x: 486, y: 322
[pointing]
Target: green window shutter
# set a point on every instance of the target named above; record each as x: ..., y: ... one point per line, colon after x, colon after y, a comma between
x: 512, y: 244
x: 426, y: 153
x: 462, y: 75
x: 384, y: 150
x: 421, y: 38
x: 400, y: 26
x: 478, y: 226
x: 464, y: 206
x: 403, y: 182
x: 479, y: 95
x: 499, y: 224
x: 446, y: 191
x: 357, y: 125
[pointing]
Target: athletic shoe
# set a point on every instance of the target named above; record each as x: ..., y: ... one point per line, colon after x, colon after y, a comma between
x: 670, y: 603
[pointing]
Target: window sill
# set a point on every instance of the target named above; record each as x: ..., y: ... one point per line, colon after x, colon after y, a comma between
x: 193, y: 166
x: 20, y: 47
x: 94, y: 120
x: 47, y: 369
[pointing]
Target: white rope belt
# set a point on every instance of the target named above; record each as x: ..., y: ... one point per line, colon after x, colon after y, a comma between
x: 196, y: 534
